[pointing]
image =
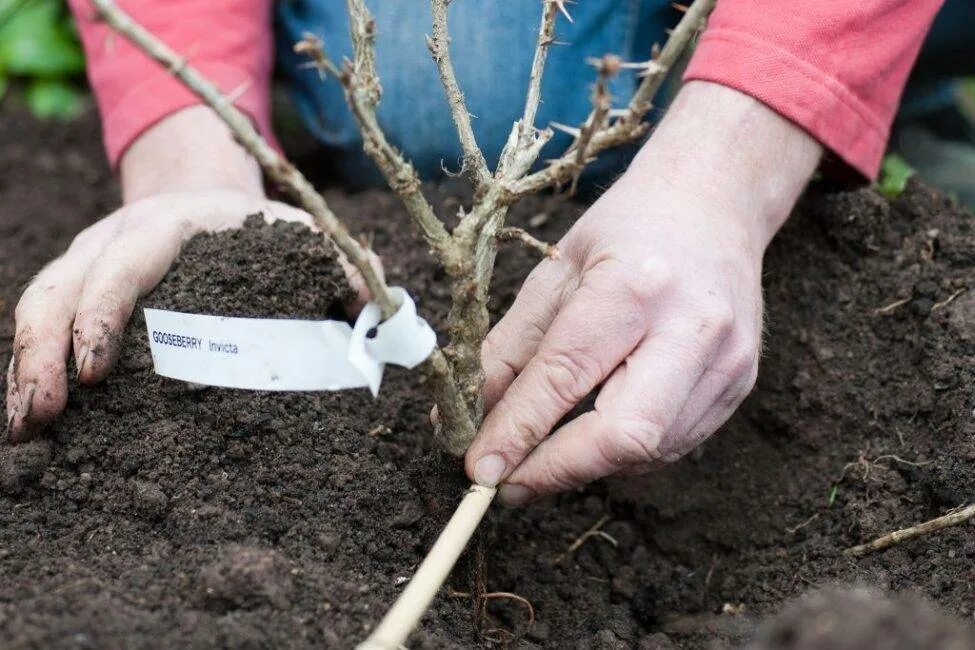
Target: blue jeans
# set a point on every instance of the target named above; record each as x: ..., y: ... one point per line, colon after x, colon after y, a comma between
x: 493, y: 42
x: 492, y: 45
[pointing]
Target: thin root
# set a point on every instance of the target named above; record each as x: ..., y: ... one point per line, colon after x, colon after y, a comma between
x: 886, y: 309
x: 947, y: 301
x: 500, y: 595
x: 594, y: 531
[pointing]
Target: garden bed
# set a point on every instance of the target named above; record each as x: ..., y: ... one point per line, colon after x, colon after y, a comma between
x: 157, y: 514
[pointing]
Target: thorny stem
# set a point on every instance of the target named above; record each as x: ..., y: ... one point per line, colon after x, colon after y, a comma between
x: 526, y: 142
x: 510, y: 233
x: 546, y: 37
x: 363, y: 92
x: 474, y: 164
x: 630, y: 125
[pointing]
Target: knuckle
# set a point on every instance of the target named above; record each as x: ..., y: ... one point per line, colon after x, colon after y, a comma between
x: 633, y: 440
x: 647, y: 280
x: 715, y: 322
x: 742, y: 363
x: 569, y: 376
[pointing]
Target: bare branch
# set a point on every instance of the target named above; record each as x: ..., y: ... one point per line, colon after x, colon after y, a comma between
x: 953, y: 518
x: 363, y: 92
x: 525, y: 142
x: 629, y: 126
x: 551, y: 251
x: 602, y: 103
x: 474, y: 164
x: 546, y: 37
x: 274, y: 165
x: 312, y: 47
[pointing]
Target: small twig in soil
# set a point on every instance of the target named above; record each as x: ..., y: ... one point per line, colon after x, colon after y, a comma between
x: 953, y: 518
x: 510, y: 233
x: 794, y: 529
x: 886, y: 309
x: 594, y: 531
x: 947, y: 301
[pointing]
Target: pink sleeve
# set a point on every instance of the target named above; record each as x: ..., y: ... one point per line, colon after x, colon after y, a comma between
x: 834, y: 67
x: 228, y: 41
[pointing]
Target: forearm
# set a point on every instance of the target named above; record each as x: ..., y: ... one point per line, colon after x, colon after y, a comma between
x: 189, y: 150
x: 731, y: 155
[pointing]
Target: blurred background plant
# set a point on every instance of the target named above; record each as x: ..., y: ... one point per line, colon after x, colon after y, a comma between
x: 40, y: 57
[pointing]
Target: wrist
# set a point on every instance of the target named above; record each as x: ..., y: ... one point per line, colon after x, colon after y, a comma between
x: 189, y: 150
x: 731, y: 155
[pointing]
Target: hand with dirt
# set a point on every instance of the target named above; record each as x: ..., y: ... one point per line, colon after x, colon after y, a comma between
x: 656, y: 300
x: 183, y: 176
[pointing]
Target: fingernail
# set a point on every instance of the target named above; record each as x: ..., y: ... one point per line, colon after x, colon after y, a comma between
x: 82, y: 359
x: 27, y: 400
x: 513, y: 495
x: 489, y: 470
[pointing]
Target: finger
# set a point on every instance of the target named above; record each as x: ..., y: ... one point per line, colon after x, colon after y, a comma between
x: 719, y: 398
x: 588, y: 338
x: 129, y: 267
x: 514, y: 340
x: 635, y: 412
x: 277, y: 211
x: 37, y: 385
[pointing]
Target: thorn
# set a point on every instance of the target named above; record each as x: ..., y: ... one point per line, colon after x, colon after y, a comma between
x: 679, y: 7
x: 571, y: 130
x: 560, y: 4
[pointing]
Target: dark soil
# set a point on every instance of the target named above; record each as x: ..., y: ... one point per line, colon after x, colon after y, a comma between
x: 157, y: 514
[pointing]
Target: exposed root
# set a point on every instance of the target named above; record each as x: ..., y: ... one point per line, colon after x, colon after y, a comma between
x: 792, y: 530
x: 886, y: 309
x: 947, y: 301
x: 952, y: 518
x: 495, y: 634
x: 594, y: 531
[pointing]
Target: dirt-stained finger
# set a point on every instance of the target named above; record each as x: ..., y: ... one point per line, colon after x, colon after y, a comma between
x: 37, y: 386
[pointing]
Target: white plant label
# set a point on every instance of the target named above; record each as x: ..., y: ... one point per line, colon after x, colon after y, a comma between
x: 293, y: 355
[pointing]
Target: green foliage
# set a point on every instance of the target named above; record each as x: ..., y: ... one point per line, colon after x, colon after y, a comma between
x: 831, y: 499
x: 39, y: 49
x: 54, y: 98
x: 894, y: 174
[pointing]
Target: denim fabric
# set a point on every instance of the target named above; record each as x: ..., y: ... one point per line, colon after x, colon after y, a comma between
x: 492, y: 45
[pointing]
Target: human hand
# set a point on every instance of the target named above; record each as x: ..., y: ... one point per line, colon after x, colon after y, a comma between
x: 82, y: 301
x: 656, y: 297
